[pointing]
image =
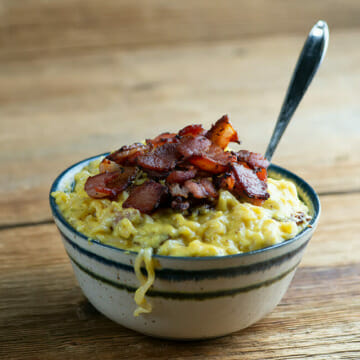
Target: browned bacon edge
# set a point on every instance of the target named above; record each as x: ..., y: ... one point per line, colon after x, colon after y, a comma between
x: 162, y: 159
x: 110, y: 184
x: 192, y: 130
x: 254, y: 160
x: 180, y: 176
x: 222, y: 133
x: 162, y: 139
x: 127, y: 155
x: 201, y: 189
x: 246, y: 182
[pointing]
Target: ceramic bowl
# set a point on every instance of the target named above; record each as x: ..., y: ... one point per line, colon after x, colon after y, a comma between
x: 192, y: 298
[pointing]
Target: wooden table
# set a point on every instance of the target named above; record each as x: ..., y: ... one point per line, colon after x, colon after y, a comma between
x: 63, y: 102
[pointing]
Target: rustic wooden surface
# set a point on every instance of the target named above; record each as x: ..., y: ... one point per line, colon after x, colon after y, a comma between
x: 76, y: 81
x: 34, y: 28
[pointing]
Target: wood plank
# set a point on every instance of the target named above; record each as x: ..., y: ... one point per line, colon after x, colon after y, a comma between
x: 321, y: 325
x: 336, y: 240
x: 34, y: 28
x: 43, y: 314
x: 57, y: 111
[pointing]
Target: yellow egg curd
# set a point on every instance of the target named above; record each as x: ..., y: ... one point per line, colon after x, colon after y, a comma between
x: 230, y: 227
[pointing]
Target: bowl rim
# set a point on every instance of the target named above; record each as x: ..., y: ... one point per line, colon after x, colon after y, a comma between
x: 314, y: 199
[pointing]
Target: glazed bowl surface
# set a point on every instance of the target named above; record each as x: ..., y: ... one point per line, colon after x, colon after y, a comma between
x: 192, y: 297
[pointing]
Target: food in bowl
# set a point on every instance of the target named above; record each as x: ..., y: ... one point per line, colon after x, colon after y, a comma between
x: 184, y: 195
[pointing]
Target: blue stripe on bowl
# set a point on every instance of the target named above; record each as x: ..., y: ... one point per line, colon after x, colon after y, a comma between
x: 197, y: 275
x: 185, y: 295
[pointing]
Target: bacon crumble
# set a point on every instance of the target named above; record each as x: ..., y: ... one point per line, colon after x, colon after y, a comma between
x: 254, y: 160
x: 182, y: 169
x: 127, y: 155
x: 110, y: 184
x: 180, y: 176
x: 162, y: 159
x: 145, y: 197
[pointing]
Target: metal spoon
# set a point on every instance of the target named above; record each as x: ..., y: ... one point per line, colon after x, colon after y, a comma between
x: 308, y: 63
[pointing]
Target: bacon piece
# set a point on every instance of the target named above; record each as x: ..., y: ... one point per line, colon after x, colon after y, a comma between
x: 180, y: 176
x: 179, y: 204
x: 248, y: 184
x: 190, y: 146
x: 207, y: 164
x: 201, y: 189
x: 192, y: 130
x: 196, y: 189
x: 226, y: 181
x: 127, y: 155
x: 162, y: 139
x: 176, y: 190
x: 145, y: 197
x: 243, y: 163
x: 109, y: 184
x: 214, y: 161
x: 209, y: 187
x: 222, y: 133
x: 223, y: 157
x: 108, y: 166
x: 254, y: 160
x: 162, y: 159
x: 262, y: 174
x: 152, y: 174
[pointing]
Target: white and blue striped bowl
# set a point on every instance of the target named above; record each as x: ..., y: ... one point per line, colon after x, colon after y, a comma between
x: 192, y: 298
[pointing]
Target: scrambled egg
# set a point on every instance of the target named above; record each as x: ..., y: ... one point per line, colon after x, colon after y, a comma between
x: 231, y: 227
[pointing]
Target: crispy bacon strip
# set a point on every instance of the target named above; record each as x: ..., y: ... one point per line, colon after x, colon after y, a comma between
x: 226, y: 181
x: 254, y: 160
x: 215, y: 160
x: 207, y: 164
x: 190, y: 146
x: 248, y: 184
x: 222, y: 133
x: 177, y: 190
x: 262, y: 174
x: 108, y: 166
x: 192, y: 130
x: 109, y: 184
x: 145, y: 197
x: 222, y: 157
x: 162, y: 159
x: 201, y: 189
x: 180, y: 176
x: 209, y: 187
x: 157, y: 175
x: 162, y: 139
x: 127, y: 155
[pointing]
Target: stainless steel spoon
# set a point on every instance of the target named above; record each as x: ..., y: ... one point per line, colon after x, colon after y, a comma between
x: 308, y: 63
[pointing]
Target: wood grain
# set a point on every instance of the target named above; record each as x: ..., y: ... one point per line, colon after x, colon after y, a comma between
x: 43, y: 314
x: 67, y: 326
x: 36, y: 28
x: 55, y: 112
x: 81, y: 77
x: 336, y: 241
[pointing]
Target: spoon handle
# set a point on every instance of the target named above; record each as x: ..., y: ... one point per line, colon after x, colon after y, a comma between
x: 308, y: 63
